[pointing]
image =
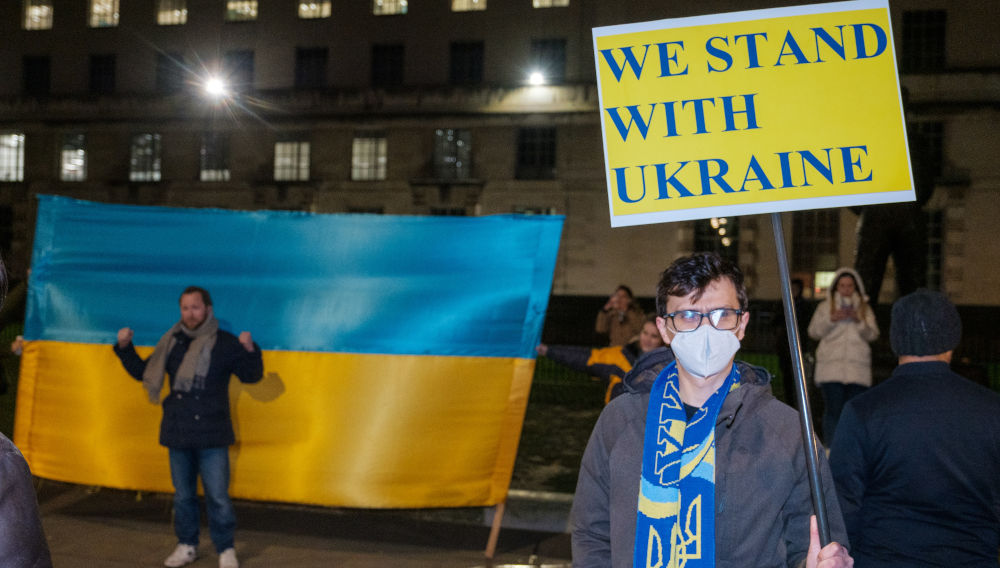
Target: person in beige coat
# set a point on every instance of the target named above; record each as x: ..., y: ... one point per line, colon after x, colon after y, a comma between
x: 844, y: 324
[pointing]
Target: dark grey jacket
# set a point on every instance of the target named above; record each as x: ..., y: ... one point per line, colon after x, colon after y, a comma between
x: 22, y: 540
x: 762, y: 495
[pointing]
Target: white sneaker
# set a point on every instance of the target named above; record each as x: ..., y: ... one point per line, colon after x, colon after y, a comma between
x: 228, y: 559
x: 183, y: 555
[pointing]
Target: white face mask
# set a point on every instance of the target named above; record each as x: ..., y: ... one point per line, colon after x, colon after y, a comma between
x: 705, y: 351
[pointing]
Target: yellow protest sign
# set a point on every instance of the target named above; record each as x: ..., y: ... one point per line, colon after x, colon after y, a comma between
x: 752, y: 112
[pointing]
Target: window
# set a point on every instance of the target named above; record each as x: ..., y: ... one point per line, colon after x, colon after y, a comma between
x: 549, y: 3
x: 12, y: 157
x: 923, y: 41
x: 171, y: 12
x: 367, y: 210
x: 387, y: 65
x: 816, y: 241
x: 103, y: 13
x: 452, y: 154
x: 291, y: 161
x: 368, y: 157
x: 935, y: 247
x: 548, y: 56
x: 214, y: 157
x: 312, y: 10
x: 536, y: 153
x: 237, y: 66
x: 144, y: 158
x: 533, y: 210
x: 719, y: 235
x: 310, y: 67
x: 448, y: 211
x: 36, y: 75
x: 466, y: 63
x: 388, y: 7
x: 241, y: 10
x: 73, y: 158
x: 467, y: 5
x: 102, y: 74
x: 37, y: 14
x: 169, y: 72
x: 926, y: 140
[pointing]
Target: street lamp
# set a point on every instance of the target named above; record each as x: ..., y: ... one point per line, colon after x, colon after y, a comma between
x: 216, y: 88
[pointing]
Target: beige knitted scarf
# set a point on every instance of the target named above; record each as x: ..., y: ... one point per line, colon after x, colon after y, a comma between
x: 193, y: 367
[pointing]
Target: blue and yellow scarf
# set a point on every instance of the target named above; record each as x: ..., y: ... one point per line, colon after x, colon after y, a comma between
x: 675, y: 527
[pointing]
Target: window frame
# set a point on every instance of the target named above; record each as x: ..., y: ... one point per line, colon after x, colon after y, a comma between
x: 324, y: 10
x: 242, y: 11
x: 73, y: 157
x: 37, y: 19
x: 146, y: 166
x: 12, y: 157
x: 215, y: 155
x: 369, y: 156
x: 171, y: 12
x: 390, y: 7
x: 96, y: 19
x: 299, y: 160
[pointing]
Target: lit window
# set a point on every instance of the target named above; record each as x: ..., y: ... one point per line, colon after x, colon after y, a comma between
x: 388, y: 7
x: 144, y: 161
x: 467, y: 5
x: 549, y: 3
x: 103, y: 13
x: 368, y: 158
x: 172, y: 12
x: 12, y: 157
x: 312, y: 10
x: 719, y: 235
x: 214, y: 158
x: 38, y: 14
x: 73, y: 158
x: 291, y: 161
x: 452, y: 154
x: 241, y: 10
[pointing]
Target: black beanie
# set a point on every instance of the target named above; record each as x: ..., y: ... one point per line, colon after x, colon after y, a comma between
x: 924, y: 323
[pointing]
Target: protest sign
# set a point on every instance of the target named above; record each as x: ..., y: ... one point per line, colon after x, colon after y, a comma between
x: 751, y: 112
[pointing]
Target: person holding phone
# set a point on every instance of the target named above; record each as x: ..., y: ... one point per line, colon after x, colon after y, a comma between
x: 844, y: 324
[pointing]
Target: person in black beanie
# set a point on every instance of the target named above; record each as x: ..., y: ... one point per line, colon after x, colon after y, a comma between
x: 916, y: 459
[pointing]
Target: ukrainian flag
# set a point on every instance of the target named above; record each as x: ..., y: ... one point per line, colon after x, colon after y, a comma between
x: 398, y: 350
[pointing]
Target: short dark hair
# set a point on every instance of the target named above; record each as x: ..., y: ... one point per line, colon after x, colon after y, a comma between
x: 693, y: 274
x: 625, y: 289
x: 206, y: 298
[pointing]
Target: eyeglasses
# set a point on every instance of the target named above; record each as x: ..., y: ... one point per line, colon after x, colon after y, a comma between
x: 723, y: 319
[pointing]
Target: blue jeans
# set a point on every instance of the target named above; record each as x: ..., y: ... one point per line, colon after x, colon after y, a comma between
x: 213, y: 466
x: 835, y: 396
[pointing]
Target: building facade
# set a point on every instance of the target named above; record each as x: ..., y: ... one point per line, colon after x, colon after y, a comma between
x: 383, y: 107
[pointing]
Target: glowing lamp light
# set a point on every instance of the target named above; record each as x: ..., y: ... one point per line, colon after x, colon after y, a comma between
x: 536, y: 78
x: 215, y: 87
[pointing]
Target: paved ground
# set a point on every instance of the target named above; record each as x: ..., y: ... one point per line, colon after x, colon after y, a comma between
x: 102, y: 528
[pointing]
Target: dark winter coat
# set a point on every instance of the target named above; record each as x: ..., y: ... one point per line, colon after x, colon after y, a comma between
x: 917, y: 465
x: 200, y: 418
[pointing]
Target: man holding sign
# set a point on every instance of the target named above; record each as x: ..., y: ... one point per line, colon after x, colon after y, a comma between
x: 697, y: 464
